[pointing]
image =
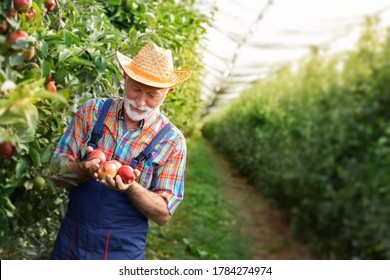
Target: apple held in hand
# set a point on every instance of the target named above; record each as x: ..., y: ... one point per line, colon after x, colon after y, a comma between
x: 108, y: 168
x: 97, y: 154
x: 126, y: 172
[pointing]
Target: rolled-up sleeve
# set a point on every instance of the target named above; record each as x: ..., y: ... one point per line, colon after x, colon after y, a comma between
x: 76, y: 134
x: 169, y: 182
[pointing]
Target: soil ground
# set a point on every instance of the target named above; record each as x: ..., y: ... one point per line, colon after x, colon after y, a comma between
x: 267, y: 229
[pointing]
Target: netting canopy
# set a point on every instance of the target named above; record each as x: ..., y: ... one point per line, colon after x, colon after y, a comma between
x: 249, y: 39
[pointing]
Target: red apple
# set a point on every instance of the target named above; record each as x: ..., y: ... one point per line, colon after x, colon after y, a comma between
x: 17, y: 35
x: 22, y: 5
x: 108, y: 168
x: 51, y: 86
x: 50, y: 5
x: 97, y: 154
x: 7, y: 149
x: 49, y: 78
x: 4, y: 27
x: 126, y: 172
x: 30, y: 15
x: 12, y: 12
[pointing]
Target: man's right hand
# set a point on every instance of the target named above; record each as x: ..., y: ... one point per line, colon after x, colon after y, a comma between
x: 90, y: 167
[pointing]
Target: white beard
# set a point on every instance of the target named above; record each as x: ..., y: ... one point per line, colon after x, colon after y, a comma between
x: 135, y: 116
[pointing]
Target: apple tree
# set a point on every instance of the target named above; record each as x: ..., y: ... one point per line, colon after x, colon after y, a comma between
x: 54, y: 55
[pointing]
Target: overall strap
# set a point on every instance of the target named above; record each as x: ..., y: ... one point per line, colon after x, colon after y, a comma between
x: 97, y: 131
x: 147, y: 153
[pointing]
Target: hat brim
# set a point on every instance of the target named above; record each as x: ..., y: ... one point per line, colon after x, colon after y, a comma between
x: 178, y: 76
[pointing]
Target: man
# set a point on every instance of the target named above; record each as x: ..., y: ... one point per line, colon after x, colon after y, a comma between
x: 107, y: 219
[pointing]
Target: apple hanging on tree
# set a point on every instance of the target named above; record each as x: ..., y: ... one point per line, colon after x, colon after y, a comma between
x: 17, y: 35
x: 51, y: 86
x: 50, y: 5
x: 29, y: 54
x: 4, y: 27
x: 30, y: 15
x: 22, y: 5
x: 7, y: 149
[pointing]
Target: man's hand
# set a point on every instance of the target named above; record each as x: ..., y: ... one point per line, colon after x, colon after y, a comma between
x: 90, y: 167
x: 116, y: 183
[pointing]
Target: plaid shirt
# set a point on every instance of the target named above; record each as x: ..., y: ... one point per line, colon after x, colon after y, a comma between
x: 162, y: 173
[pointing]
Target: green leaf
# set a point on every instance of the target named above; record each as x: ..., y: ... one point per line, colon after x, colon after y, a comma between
x: 20, y: 44
x: 35, y: 156
x: 64, y: 54
x: 65, y: 93
x: 68, y: 39
x: 31, y: 115
x: 90, y: 78
x: 46, y: 155
x: 61, y: 73
x: 133, y: 34
x: 16, y: 59
x: 46, y: 68
x: 21, y: 167
x: 151, y: 20
x: 101, y: 64
x: 113, y: 2
x: 81, y: 61
x: 142, y: 8
x: 9, y: 118
x: 45, y: 49
x: 28, y: 185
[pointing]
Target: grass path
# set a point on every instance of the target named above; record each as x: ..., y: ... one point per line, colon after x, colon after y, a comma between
x: 222, y: 217
x: 267, y: 230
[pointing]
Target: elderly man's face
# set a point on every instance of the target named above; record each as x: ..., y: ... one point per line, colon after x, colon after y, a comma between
x: 141, y: 100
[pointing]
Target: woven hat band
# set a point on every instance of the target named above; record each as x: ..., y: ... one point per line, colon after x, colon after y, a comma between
x: 148, y: 76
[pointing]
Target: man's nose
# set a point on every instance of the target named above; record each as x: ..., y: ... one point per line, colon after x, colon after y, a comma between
x: 141, y: 99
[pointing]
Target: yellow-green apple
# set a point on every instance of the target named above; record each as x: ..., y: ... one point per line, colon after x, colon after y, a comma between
x: 29, y: 54
x: 39, y: 183
x: 97, y: 154
x: 22, y: 5
x: 108, y: 168
x: 126, y: 172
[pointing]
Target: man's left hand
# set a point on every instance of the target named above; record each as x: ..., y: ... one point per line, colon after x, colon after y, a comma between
x: 117, y: 184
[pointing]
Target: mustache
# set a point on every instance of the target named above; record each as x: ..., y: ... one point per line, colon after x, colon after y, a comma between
x: 141, y: 108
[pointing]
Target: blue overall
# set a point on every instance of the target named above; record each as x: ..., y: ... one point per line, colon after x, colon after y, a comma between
x: 102, y: 223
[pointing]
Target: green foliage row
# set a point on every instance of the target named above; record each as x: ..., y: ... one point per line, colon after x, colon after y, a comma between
x: 74, y: 46
x: 317, y: 142
x: 205, y: 226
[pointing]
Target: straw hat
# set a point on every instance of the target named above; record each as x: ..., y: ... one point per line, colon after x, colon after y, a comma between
x: 153, y: 66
